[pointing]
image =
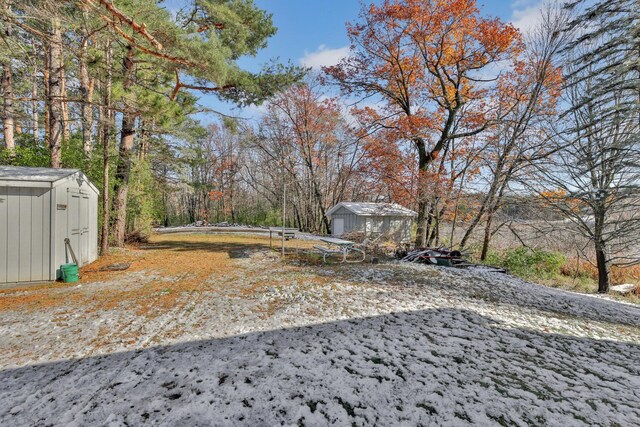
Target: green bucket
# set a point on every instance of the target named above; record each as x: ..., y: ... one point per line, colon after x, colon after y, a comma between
x: 69, y: 273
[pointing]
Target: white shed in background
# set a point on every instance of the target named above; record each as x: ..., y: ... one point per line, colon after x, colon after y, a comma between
x: 372, y: 219
x: 39, y: 209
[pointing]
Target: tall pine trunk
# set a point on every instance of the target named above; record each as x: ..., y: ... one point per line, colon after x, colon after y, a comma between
x: 56, y: 69
x: 146, y: 128
x: 35, y: 116
x: 66, y: 132
x: 7, y: 107
x: 47, y: 95
x: 123, y: 170
x: 86, y: 93
x: 105, y: 136
x: 7, y: 93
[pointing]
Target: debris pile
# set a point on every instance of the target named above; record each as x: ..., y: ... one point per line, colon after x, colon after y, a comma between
x: 441, y: 257
x: 435, y: 256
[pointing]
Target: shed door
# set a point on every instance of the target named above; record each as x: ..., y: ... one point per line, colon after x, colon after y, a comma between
x: 338, y: 226
x: 78, y: 217
x: 73, y: 224
x: 84, y: 227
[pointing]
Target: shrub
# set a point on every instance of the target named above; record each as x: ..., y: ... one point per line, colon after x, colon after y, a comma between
x: 26, y: 153
x: 529, y: 263
x: 144, y: 207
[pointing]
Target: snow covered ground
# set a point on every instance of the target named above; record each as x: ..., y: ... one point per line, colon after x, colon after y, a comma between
x: 253, y: 341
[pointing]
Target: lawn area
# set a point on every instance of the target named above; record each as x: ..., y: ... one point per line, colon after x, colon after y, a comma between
x: 216, y: 329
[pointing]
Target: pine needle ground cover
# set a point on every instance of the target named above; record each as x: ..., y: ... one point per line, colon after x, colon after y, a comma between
x: 216, y: 329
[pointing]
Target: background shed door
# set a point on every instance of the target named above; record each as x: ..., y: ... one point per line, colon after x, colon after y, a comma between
x: 338, y: 226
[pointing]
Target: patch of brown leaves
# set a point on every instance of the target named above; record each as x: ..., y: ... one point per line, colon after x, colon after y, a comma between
x: 185, y: 263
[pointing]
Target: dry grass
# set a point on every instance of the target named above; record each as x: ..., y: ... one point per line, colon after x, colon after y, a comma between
x: 168, y: 267
x: 586, y: 270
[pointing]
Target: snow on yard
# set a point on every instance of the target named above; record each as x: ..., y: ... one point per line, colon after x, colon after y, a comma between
x: 207, y: 331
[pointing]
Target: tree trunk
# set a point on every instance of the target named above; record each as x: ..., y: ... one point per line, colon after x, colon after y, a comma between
x: 325, y: 220
x: 476, y: 220
x: 7, y: 93
x: 603, y: 268
x: 496, y: 203
x: 56, y: 69
x: 123, y: 171
x: 86, y: 94
x: 487, y: 236
x: 423, y: 205
x: 602, y: 262
x: 66, y: 133
x: 47, y: 93
x: 34, y: 94
x: 105, y: 135
x: 146, y: 129
x: 7, y: 107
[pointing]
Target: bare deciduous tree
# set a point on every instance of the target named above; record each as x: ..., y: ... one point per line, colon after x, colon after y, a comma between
x: 593, y: 178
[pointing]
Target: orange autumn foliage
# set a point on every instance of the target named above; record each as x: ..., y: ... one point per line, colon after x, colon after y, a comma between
x: 428, y: 64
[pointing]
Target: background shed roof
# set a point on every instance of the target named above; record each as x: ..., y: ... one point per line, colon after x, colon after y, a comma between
x: 373, y: 209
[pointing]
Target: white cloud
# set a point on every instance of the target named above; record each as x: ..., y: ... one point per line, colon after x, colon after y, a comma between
x: 324, y: 57
x: 526, y: 15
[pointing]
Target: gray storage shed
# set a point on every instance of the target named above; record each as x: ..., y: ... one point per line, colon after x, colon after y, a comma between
x: 39, y: 209
x: 372, y: 219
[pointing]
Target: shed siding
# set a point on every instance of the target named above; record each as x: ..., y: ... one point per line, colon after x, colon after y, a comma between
x: 24, y: 251
x: 397, y: 228
x: 24, y: 233
x: 4, y: 229
x: 36, y: 244
x: 45, y: 269
x: 13, y: 234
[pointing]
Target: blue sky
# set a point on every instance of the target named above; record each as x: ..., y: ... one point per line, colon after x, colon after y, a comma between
x: 312, y: 33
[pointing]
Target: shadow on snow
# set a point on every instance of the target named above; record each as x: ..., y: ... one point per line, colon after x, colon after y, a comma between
x: 444, y: 366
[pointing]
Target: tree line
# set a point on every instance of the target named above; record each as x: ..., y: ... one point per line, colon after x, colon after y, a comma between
x: 437, y: 107
x: 96, y: 74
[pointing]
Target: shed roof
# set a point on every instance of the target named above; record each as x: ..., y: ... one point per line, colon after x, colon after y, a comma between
x: 20, y: 173
x: 373, y: 209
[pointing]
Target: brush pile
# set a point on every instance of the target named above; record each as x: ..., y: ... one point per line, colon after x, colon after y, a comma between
x: 441, y: 257
x: 434, y: 256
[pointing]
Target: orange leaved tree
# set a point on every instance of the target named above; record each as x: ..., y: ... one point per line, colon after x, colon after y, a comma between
x: 431, y: 65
